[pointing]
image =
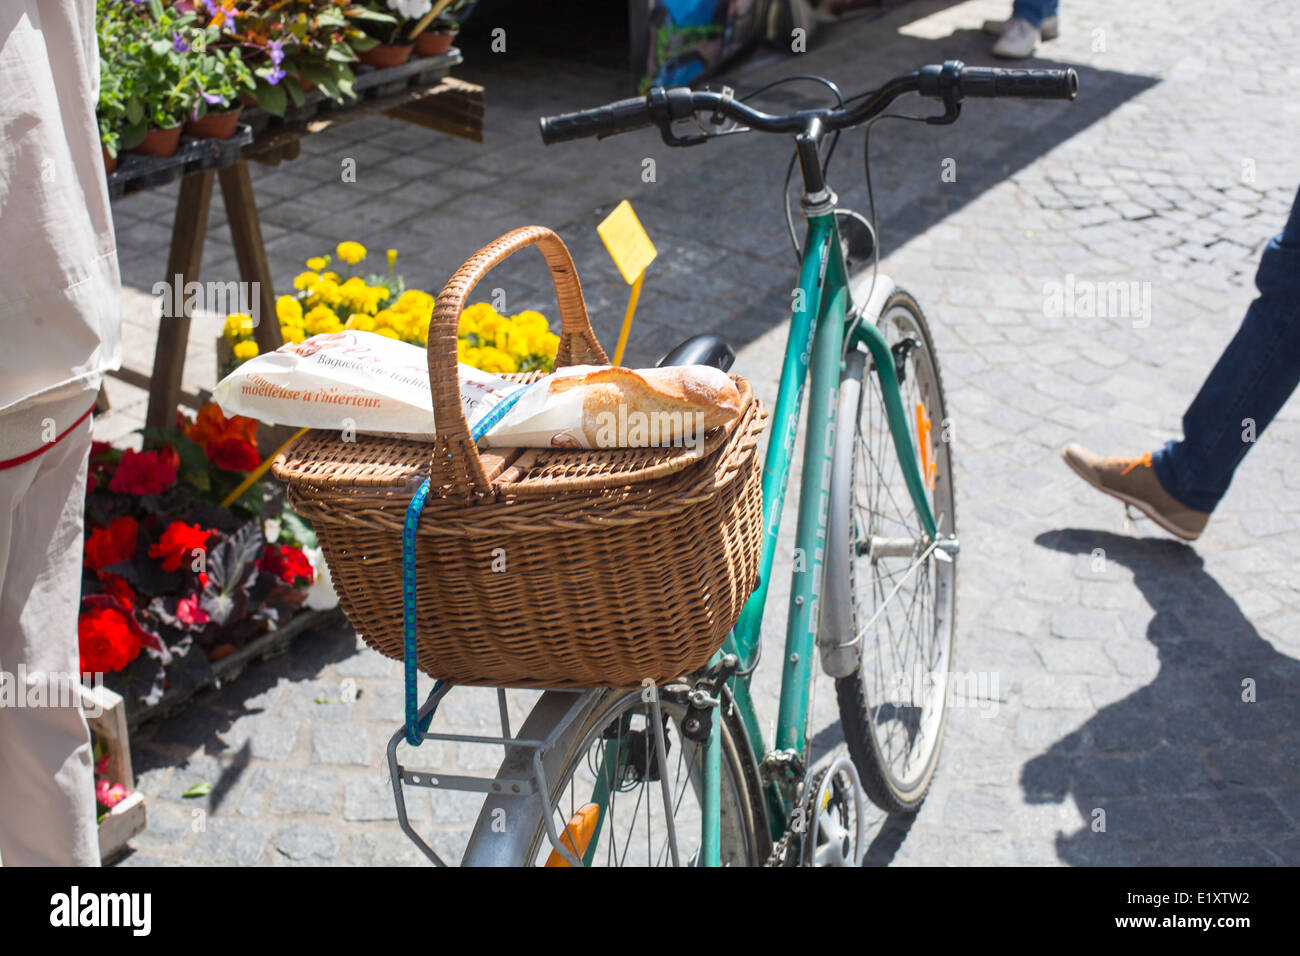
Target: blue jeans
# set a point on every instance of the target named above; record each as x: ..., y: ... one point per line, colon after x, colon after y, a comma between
x: 1035, y: 11
x: 1253, y: 378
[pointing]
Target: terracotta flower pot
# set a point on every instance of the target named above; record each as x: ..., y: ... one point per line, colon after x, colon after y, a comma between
x: 387, y: 54
x: 110, y: 162
x: 160, y: 142
x: 305, y: 84
x: 248, y: 99
x: 215, y: 125
x: 434, y: 43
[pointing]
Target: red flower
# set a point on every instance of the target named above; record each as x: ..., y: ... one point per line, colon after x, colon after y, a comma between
x: 178, y: 543
x: 234, y: 454
x: 108, y: 795
x: 110, y: 545
x: 107, y: 641
x: 116, y: 586
x: 189, y: 612
x: 286, y: 563
x: 213, y: 427
x: 145, y: 472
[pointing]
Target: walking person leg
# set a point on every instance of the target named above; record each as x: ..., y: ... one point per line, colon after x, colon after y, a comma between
x: 1179, y: 485
x: 1030, y: 21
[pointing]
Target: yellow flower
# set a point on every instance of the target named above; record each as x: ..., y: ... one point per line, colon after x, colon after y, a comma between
x: 373, y: 295
x: 292, y: 333
x: 420, y: 333
x: 392, y: 258
x: 351, y: 252
x: 389, y: 333
x: 494, y: 360
x: 245, y: 350
x: 238, y: 326
x: 318, y: 263
x: 531, y: 322
x: 546, y: 346
x: 466, y: 353
x: 327, y: 292
x: 321, y: 319
x: 415, y: 302
x: 362, y: 323
x: 331, y: 276
x: 305, y: 280
x: 288, y: 309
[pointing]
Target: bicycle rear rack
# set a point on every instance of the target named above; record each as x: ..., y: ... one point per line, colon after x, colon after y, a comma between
x: 527, y: 787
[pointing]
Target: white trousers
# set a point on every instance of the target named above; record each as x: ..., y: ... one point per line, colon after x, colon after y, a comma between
x: 47, y: 800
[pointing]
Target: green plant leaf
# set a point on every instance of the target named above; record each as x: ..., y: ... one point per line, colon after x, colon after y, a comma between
x: 271, y: 98
x: 298, y: 527
x: 198, y: 790
x: 361, y: 13
x: 133, y: 133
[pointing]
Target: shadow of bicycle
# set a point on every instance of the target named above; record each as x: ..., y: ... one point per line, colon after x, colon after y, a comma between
x: 1188, y: 770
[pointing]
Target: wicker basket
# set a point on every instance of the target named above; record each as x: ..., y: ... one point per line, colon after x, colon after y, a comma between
x: 537, y: 567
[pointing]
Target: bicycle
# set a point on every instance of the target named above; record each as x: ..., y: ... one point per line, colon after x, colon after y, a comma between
x: 876, y: 593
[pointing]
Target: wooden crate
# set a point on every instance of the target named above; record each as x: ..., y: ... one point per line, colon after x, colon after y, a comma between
x: 106, y: 715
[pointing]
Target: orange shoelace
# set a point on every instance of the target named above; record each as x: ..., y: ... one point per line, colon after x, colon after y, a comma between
x: 1131, y: 463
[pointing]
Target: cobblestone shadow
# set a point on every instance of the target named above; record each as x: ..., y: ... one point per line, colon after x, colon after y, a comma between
x: 1188, y: 770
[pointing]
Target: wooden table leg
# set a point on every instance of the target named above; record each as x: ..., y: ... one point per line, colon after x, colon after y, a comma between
x: 183, y: 261
x: 246, y: 235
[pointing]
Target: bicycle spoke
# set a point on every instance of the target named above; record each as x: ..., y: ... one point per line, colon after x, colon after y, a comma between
x: 901, y: 630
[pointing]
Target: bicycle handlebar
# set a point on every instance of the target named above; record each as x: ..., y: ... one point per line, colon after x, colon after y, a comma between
x: 987, y: 81
x: 951, y: 81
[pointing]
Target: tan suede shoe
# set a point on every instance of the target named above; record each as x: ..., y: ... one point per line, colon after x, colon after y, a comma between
x: 1133, y: 481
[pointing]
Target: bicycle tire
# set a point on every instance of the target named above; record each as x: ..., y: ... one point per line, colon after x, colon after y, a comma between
x: 745, y: 838
x: 861, y: 696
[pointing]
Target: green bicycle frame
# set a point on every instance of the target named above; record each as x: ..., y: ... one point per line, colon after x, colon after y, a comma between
x: 818, y: 328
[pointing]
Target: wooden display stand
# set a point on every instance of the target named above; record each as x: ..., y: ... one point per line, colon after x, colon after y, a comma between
x: 109, y: 723
x: 446, y: 105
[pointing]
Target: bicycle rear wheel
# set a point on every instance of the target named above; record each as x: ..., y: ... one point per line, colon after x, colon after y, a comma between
x: 899, y: 594
x: 611, y: 760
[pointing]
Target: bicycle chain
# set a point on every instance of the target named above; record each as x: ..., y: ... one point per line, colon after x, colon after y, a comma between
x: 800, y: 821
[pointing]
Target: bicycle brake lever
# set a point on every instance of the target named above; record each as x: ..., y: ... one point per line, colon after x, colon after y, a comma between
x: 665, y: 106
x: 948, y: 92
x: 672, y: 139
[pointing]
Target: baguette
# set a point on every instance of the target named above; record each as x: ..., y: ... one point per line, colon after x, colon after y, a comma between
x: 656, y: 406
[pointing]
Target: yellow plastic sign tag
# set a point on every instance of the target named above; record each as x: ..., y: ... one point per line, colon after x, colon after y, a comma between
x: 627, y: 242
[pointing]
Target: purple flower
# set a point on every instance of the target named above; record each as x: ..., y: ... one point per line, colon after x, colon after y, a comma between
x: 275, y: 76
x: 277, y: 52
x: 214, y: 98
x: 210, y: 4
x: 179, y: 44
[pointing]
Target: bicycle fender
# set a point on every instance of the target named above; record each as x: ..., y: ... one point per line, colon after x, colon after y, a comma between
x: 874, y: 303
x: 836, y: 643
x: 506, y: 823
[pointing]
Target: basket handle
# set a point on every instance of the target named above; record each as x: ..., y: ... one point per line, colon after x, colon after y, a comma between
x: 578, y: 345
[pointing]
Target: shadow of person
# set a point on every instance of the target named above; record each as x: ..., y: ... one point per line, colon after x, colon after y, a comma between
x: 1186, y: 770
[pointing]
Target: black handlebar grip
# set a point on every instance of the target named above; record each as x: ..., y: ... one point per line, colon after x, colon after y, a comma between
x: 620, y: 117
x: 986, y: 81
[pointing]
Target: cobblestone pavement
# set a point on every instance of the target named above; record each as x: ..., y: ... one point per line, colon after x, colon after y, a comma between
x: 1117, y: 656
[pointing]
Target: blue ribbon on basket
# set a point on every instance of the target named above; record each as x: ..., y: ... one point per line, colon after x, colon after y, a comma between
x: 415, y: 727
